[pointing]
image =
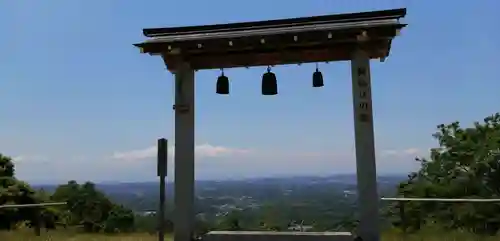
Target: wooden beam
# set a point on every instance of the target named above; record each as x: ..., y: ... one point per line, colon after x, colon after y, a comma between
x: 340, y: 52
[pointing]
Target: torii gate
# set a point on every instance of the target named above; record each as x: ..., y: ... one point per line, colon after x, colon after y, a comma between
x: 357, y: 37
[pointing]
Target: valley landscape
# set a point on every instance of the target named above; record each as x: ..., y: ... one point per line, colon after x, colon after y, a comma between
x: 320, y: 200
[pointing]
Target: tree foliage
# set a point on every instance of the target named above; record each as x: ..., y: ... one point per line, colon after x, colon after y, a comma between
x: 92, y: 209
x: 465, y: 165
x: 120, y: 219
x: 13, y: 191
x: 86, y: 206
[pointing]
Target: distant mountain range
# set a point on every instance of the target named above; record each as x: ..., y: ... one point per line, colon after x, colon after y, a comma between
x: 148, y: 187
x: 219, y: 197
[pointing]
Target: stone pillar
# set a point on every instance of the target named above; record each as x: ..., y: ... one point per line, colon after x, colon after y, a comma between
x: 366, y: 172
x: 184, y: 153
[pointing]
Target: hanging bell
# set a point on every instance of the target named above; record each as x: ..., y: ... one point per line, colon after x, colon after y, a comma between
x: 269, y: 84
x: 222, y: 87
x: 317, y: 78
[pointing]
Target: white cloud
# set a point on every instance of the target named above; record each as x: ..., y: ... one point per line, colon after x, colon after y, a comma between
x: 207, y: 150
x: 219, y: 162
x: 411, y: 151
x: 203, y: 150
x: 405, y: 152
x: 149, y: 152
x: 29, y: 158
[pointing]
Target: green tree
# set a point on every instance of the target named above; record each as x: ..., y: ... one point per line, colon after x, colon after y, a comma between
x: 465, y: 165
x: 86, y: 205
x: 120, y: 219
x: 91, y: 208
x: 69, y: 193
x: 230, y: 222
x: 13, y: 191
x: 6, y: 167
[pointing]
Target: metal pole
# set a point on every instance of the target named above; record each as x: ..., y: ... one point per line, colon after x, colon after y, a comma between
x: 31, y: 205
x: 402, y: 216
x: 161, y: 214
x: 37, y: 216
x: 162, y: 173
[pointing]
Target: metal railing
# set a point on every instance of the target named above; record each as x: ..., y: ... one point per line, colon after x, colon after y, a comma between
x: 31, y: 205
x: 455, y: 200
x: 37, y: 206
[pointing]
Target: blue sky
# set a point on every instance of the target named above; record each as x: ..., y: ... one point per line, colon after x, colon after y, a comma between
x: 78, y: 101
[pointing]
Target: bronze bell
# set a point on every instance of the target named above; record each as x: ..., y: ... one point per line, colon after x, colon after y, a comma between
x: 317, y: 78
x: 222, y: 87
x: 269, y: 84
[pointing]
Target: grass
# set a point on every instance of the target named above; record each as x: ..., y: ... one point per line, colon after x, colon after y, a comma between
x: 27, y: 235
x: 434, y: 236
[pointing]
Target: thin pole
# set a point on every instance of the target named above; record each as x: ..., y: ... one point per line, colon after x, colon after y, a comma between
x: 402, y: 216
x: 161, y: 215
x: 162, y: 173
x: 37, y: 228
